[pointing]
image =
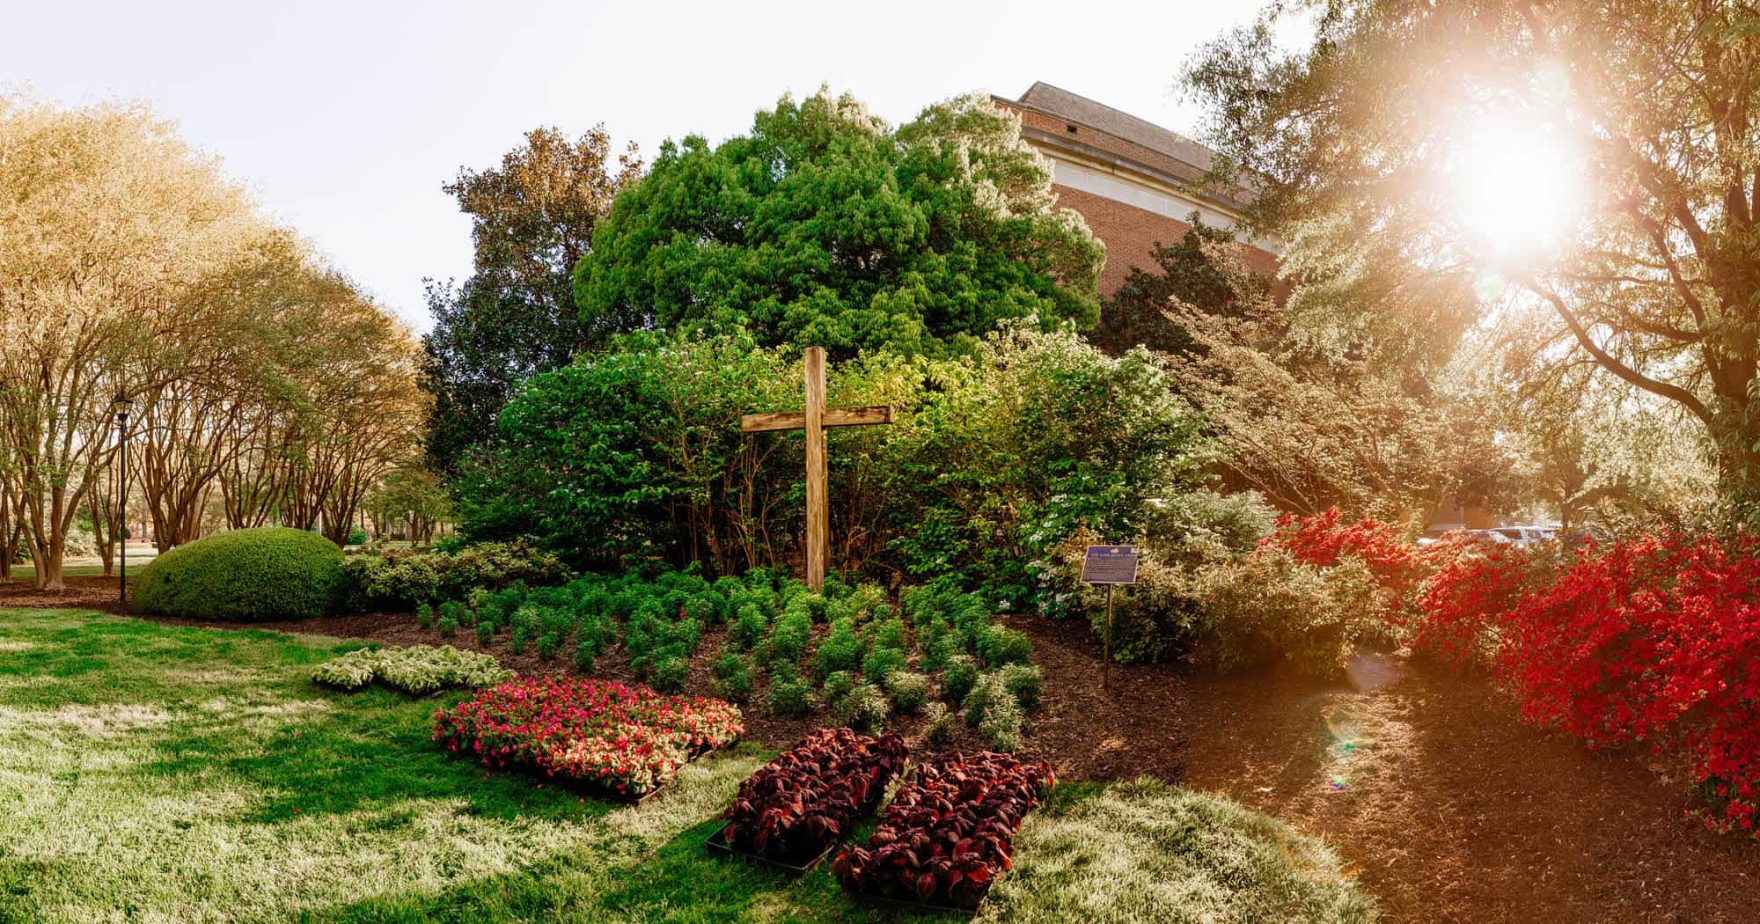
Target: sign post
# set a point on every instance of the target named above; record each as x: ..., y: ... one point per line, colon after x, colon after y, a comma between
x: 1109, y: 565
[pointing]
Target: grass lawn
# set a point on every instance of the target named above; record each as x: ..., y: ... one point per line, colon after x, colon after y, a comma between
x: 154, y: 773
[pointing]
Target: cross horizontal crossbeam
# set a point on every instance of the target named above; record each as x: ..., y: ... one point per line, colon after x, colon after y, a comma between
x: 834, y: 417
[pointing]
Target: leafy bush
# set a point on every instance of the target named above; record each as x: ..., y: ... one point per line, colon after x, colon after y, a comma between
x: 909, y: 691
x: 811, y: 795
x: 1002, y: 723
x: 1652, y: 641
x: 938, y: 723
x: 417, y: 669
x: 245, y: 575
x: 882, y: 663
x: 1269, y: 607
x: 1473, y: 582
x: 790, y: 694
x: 864, y: 707
x: 750, y: 626
x: 840, y: 649
x: 733, y: 677
x: 788, y: 638
x: 399, y: 580
x: 924, y: 851
x: 1025, y: 682
x: 959, y: 678
x: 628, y: 739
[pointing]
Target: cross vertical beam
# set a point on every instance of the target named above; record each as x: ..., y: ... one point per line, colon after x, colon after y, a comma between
x: 818, y: 509
x: 813, y: 422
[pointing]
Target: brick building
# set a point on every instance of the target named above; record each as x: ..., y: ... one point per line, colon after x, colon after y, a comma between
x: 1134, y: 182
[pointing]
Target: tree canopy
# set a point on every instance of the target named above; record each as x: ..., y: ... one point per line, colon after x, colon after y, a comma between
x: 825, y: 226
x: 532, y: 218
x: 1364, y: 142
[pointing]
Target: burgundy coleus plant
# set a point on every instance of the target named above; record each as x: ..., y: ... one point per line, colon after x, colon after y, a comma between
x: 949, y: 832
x: 812, y: 794
x: 626, y: 738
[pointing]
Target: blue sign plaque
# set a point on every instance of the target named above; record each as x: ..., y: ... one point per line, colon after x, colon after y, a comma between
x: 1110, y: 564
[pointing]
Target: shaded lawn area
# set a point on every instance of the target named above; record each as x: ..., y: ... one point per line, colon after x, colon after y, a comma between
x: 160, y: 773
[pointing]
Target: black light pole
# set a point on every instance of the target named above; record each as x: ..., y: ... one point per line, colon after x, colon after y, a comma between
x: 122, y: 404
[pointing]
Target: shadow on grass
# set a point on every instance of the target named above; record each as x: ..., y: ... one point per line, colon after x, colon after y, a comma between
x: 678, y: 883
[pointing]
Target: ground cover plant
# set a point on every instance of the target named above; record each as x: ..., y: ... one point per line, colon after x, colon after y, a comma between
x: 626, y: 739
x: 196, y: 775
x: 247, y: 574
x: 848, y: 652
x: 949, y: 832
x: 416, y: 669
x: 1146, y: 851
x: 811, y: 795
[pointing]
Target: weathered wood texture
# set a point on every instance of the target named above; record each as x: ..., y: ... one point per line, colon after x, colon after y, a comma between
x: 834, y: 417
x: 814, y: 420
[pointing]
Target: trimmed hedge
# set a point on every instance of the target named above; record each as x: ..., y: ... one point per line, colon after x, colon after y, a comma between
x: 245, y: 575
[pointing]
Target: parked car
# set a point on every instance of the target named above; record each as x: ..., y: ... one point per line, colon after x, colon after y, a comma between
x: 1509, y: 535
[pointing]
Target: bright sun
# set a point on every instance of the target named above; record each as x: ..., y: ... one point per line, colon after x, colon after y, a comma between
x: 1517, y: 184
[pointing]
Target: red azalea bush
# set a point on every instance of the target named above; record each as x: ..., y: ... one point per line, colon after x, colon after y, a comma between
x: 626, y: 738
x: 812, y: 794
x: 1653, y: 641
x: 949, y: 833
x: 1472, y: 582
x: 1322, y: 540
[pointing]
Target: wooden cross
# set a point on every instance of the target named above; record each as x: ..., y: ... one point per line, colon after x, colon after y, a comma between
x: 814, y: 420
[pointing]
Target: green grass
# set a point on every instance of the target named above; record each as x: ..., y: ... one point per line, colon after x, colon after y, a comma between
x: 154, y: 773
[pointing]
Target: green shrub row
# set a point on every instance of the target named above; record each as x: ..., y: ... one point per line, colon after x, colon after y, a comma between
x: 400, y: 580
x: 847, y: 651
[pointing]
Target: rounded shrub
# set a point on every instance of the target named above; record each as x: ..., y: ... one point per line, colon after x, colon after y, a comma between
x: 247, y: 574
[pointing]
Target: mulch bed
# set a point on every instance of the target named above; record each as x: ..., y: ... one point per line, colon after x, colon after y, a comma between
x: 1446, y: 806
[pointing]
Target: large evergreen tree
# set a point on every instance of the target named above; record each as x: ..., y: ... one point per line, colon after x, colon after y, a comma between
x: 825, y: 226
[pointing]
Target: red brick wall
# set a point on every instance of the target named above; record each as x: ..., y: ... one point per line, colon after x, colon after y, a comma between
x: 1131, y: 233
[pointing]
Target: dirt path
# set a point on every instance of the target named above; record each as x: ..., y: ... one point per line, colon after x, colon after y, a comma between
x: 1448, y: 808
x: 1453, y: 811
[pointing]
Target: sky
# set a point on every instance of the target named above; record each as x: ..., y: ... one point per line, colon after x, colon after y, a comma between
x: 344, y: 118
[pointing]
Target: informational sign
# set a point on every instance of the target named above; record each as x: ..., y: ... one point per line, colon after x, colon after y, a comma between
x: 1110, y: 564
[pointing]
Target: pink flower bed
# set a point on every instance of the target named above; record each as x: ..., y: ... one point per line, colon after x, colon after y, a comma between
x: 625, y: 738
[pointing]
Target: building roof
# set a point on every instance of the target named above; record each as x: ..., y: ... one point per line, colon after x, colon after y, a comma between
x: 1074, y: 107
x: 1142, y: 146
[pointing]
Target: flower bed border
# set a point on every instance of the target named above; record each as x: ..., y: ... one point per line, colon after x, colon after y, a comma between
x: 717, y: 845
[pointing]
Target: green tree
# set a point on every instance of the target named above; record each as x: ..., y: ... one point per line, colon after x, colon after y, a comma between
x: 825, y: 226
x: 1363, y: 141
x: 532, y: 218
x: 636, y: 450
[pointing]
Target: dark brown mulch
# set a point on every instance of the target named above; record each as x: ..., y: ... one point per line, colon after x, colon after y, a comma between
x: 1452, y: 810
x: 86, y: 593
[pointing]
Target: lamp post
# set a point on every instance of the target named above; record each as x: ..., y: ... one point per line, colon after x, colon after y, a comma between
x: 122, y: 404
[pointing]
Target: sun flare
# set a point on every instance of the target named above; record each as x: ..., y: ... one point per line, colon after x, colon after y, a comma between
x: 1517, y: 184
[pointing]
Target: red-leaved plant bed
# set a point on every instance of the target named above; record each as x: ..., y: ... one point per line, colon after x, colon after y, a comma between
x: 808, y: 798
x: 624, y: 738
x: 949, y: 833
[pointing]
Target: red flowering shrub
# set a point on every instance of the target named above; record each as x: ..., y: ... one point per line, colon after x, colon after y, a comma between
x: 626, y: 738
x: 812, y: 794
x: 1472, y: 582
x: 1325, y: 539
x: 949, y: 832
x: 1653, y: 641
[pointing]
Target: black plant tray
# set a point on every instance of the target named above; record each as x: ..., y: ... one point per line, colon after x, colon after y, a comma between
x: 909, y: 906
x: 718, y: 845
